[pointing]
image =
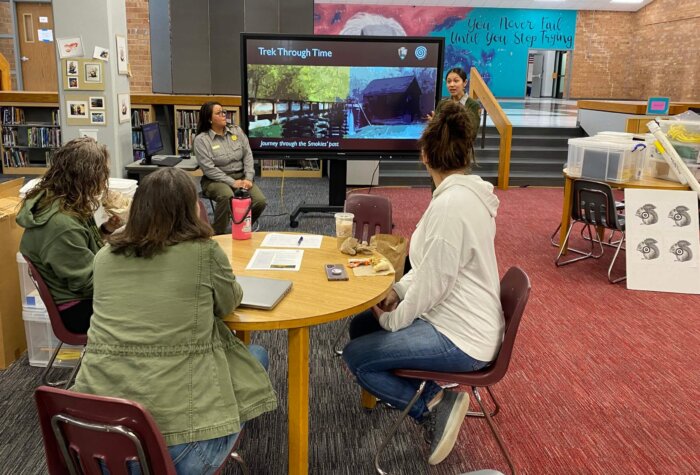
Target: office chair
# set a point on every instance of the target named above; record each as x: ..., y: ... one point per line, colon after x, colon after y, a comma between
x: 372, y: 215
x: 59, y: 329
x: 81, y: 429
x: 515, y: 291
x: 594, y: 206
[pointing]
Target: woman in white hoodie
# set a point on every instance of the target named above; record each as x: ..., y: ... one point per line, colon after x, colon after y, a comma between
x: 445, y: 314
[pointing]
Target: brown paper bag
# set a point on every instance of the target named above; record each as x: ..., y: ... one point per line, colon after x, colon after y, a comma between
x: 393, y: 248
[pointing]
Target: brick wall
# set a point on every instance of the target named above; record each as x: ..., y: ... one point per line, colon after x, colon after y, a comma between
x: 653, y: 51
x: 139, y: 41
x: 7, y: 45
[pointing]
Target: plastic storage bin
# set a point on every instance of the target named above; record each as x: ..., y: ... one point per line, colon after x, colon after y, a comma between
x: 658, y: 168
x: 684, y: 136
x: 41, y: 342
x: 615, y: 161
x: 30, y: 295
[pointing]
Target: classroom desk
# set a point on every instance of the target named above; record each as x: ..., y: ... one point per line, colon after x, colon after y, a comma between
x: 650, y: 183
x: 139, y: 171
x: 313, y: 300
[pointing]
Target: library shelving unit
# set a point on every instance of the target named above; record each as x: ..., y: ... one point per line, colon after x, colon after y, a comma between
x: 31, y: 131
x: 140, y: 115
x: 186, y: 118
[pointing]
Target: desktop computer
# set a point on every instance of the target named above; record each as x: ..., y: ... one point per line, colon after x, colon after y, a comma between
x: 153, y: 143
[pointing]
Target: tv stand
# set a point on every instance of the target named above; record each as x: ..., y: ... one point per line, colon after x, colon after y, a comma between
x: 337, y: 182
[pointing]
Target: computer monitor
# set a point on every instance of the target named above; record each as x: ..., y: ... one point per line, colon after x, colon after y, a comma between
x: 152, y: 141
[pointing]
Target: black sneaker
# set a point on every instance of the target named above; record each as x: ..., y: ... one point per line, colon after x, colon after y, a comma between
x: 444, y: 423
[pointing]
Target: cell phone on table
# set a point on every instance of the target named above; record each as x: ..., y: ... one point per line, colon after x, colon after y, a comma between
x: 335, y: 272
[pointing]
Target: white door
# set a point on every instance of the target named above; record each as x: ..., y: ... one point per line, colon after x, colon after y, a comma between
x: 537, y: 71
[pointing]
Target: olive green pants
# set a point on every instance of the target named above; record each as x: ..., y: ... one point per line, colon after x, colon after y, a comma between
x: 222, y: 193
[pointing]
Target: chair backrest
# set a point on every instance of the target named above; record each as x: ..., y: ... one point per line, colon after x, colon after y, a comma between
x: 515, y: 291
x: 59, y: 329
x: 81, y: 429
x: 371, y: 212
x: 594, y: 203
x: 203, y: 213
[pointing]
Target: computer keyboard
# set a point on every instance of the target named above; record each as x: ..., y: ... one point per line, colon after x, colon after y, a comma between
x: 166, y: 160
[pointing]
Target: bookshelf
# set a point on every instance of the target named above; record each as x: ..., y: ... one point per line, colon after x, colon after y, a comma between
x: 140, y: 115
x: 186, y: 118
x: 30, y: 134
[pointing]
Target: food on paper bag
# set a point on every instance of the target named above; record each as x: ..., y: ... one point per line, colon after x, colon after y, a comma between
x: 357, y: 262
x: 116, y: 204
x: 380, y: 264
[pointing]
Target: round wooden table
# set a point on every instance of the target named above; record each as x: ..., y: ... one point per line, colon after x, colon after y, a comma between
x: 313, y: 300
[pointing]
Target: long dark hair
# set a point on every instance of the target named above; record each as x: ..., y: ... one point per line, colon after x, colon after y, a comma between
x: 77, y: 178
x: 205, y: 115
x: 447, y: 140
x: 164, y: 212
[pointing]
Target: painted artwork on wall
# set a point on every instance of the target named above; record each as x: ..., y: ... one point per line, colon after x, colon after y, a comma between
x: 494, y: 40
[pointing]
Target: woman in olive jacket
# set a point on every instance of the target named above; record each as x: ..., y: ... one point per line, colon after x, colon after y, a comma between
x: 161, y: 289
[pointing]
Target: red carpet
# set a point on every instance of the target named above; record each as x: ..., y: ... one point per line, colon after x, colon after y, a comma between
x: 603, y: 380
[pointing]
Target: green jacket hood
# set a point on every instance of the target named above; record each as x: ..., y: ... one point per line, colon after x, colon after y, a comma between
x: 29, y: 217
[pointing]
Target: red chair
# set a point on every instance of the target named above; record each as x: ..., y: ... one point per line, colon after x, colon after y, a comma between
x: 515, y: 290
x: 203, y: 213
x: 81, y: 429
x: 371, y: 215
x: 59, y: 329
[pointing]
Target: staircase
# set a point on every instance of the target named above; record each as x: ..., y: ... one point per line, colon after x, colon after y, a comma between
x: 538, y: 155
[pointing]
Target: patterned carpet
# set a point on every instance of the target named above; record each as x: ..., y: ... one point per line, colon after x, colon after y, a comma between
x: 603, y: 380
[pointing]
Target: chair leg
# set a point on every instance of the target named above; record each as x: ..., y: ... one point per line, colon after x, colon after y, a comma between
x: 555, y: 243
x: 494, y: 431
x: 341, y: 332
x: 49, y: 366
x: 496, y: 408
x: 612, y: 263
x: 395, y: 427
x: 583, y: 255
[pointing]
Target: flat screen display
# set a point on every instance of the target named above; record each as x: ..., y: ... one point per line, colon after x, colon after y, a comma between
x: 338, y: 95
x: 152, y: 141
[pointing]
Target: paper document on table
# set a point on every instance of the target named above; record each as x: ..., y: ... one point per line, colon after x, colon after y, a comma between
x: 276, y: 259
x: 303, y: 241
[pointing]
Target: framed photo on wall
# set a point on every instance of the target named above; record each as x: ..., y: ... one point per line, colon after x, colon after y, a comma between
x: 77, y: 109
x: 71, y: 68
x: 97, y: 103
x: 122, y: 55
x: 124, y: 105
x: 93, y: 72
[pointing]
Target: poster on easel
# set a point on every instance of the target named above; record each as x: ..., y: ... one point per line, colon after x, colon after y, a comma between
x: 82, y: 74
x: 662, y: 240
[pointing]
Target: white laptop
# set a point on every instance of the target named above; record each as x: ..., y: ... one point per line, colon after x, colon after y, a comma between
x: 262, y: 293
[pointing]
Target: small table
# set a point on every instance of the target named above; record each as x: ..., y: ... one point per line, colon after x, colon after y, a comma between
x: 313, y: 300
x: 139, y: 171
x: 650, y: 183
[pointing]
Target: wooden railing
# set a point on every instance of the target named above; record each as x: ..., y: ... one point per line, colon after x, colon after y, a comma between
x: 479, y: 90
x: 5, y: 83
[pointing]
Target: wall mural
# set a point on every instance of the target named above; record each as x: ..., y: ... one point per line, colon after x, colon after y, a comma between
x: 494, y: 40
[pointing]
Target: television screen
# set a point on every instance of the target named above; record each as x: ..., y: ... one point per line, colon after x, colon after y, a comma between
x: 338, y: 95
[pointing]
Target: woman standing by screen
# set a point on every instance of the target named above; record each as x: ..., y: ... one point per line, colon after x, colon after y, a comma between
x: 223, y: 153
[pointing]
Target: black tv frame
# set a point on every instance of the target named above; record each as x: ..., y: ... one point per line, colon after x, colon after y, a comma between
x: 337, y: 159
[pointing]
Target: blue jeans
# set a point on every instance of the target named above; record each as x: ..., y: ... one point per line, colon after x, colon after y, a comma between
x: 373, y: 353
x: 202, y: 456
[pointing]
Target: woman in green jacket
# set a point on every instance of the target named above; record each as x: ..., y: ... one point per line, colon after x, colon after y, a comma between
x: 162, y: 287
x: 60, y: 235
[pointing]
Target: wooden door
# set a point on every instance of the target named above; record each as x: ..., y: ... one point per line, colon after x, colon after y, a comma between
x: 38, y: 58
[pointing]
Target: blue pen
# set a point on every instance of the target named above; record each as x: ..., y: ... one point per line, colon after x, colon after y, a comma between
x: 301, y: 238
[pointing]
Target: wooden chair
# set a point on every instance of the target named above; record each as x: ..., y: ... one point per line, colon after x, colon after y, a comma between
x: 515, y: 291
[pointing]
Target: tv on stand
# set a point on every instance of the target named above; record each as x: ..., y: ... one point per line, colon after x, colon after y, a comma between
x: 338, y: 98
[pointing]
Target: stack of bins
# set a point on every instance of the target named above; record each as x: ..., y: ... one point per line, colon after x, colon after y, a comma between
x: 41, y: 341
x: 611, y: 157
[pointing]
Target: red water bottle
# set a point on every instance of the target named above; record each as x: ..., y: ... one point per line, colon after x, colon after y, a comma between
x: 240, y: 214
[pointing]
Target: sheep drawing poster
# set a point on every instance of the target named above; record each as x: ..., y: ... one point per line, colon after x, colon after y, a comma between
x: 662, y: 240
